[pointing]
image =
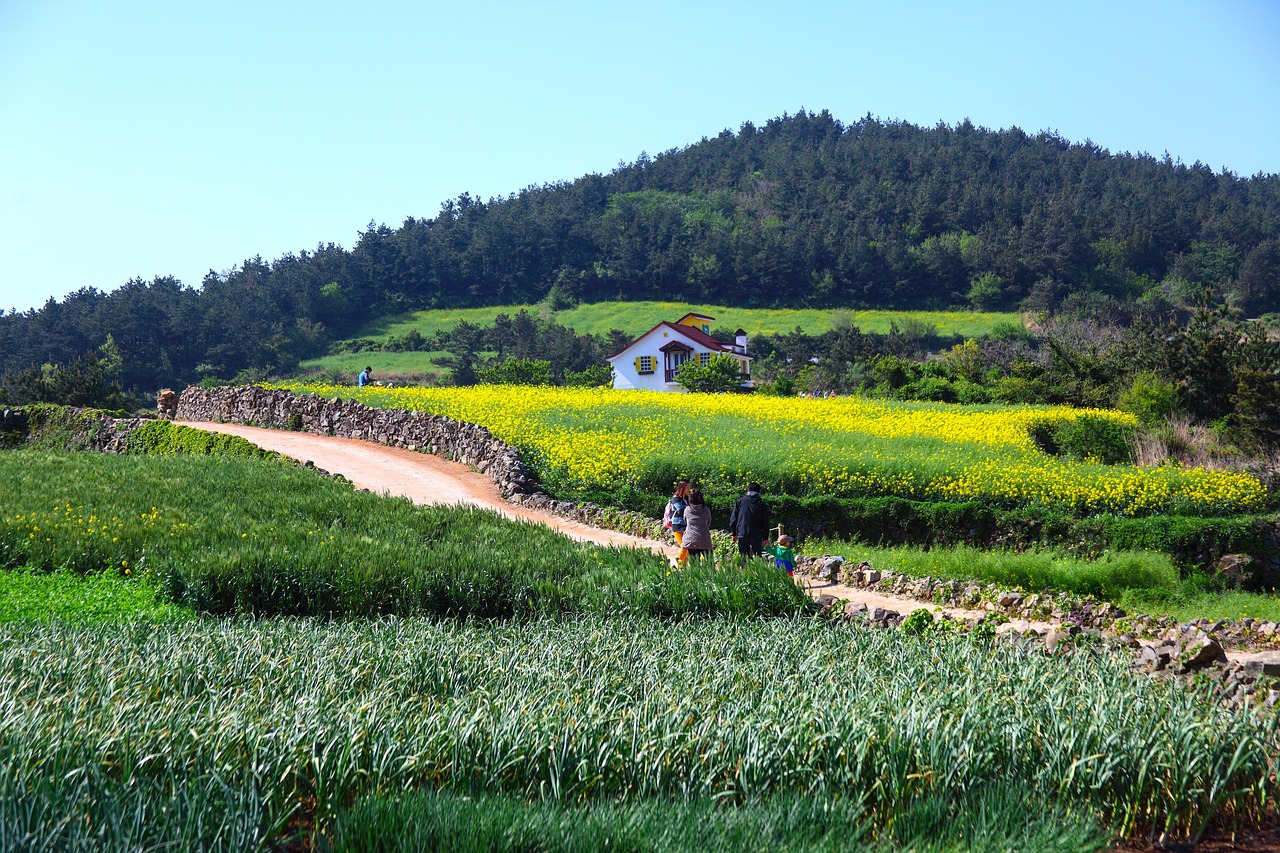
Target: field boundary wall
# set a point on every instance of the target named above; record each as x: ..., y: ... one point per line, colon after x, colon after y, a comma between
x: 442, y: 436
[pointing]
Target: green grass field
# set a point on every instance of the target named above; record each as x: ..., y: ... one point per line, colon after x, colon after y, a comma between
x: 402, y: 368
x: 1139, y: 582
x: 636, y: 317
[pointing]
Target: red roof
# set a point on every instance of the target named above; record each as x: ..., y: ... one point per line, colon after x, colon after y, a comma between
x: 696, y: 335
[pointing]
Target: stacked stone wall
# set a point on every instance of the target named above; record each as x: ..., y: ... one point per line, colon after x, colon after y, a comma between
x: 445, y: 437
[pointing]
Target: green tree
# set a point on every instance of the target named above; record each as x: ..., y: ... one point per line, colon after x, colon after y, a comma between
x: 516, y: 371
x: 986, y: 292
x: 720, y: 374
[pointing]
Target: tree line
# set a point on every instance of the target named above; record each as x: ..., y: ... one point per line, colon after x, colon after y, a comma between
x: 803, y: 210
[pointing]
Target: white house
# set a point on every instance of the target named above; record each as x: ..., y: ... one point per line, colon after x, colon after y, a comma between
x: 651, y: 360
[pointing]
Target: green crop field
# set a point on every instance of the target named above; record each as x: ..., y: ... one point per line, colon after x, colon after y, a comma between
x: 233, y: 653
x: 232, y: 735
x: 248, y: 537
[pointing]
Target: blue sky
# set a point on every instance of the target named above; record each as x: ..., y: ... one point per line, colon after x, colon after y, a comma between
x: 173, y: 138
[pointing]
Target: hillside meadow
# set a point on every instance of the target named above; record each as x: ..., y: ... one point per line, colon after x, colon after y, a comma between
x: 634, y: 318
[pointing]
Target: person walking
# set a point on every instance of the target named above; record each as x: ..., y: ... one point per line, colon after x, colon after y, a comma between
x: 673, y: 516
x: 697, y: 530
x: 749, y: 522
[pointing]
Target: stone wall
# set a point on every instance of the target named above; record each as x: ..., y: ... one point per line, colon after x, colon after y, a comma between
x: 272, y: 407
x: 66, y: 428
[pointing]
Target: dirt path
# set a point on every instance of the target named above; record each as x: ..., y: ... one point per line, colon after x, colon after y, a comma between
x: 420, y: 477
x: 430, y: 480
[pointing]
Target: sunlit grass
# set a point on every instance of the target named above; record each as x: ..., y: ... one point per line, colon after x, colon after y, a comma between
x: 1138, y: 581
x: 598, y: 318
x: 109, y: 597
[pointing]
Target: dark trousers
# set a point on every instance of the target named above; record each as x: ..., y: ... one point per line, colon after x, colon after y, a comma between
x: 748, y: 547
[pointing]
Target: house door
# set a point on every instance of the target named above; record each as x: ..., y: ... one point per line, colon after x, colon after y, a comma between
x: 675, y: 358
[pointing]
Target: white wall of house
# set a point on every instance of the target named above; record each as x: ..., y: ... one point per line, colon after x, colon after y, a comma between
x: 626, y: 373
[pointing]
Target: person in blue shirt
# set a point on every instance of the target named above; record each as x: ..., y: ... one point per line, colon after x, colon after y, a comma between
x: 365, y: 377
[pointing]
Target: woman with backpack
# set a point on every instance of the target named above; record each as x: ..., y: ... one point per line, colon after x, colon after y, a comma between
x: 673, y: 516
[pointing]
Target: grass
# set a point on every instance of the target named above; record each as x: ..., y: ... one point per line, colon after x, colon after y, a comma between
x: 1138, y: 581
x: 408, y: 368
x: 1035, y: 571
x: 259, y: 537
x: 1199, y: 598
x: 634, y: 318
x: 224, y: 735
x: 445, y: 821
x: 29, y: 595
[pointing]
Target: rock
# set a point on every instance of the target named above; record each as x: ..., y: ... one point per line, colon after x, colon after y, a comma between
x: 1053, y: 640
x: 1154, y: 658
x: 1199, y: 651
x: 1009, y: 600
x: 1237, y: 568
x: 825, y: 603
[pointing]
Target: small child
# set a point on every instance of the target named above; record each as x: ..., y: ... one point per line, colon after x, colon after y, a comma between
x: 783, y: 556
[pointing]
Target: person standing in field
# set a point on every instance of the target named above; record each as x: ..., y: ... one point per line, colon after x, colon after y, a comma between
x: 697, y: 531
x: 673, y: 516
x: 783, y: 555
x: 749, y: 522
x: 365, y: 377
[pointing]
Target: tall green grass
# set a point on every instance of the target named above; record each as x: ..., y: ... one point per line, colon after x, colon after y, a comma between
x: 1038, y: 571
x: 223, y: 735
x: 996, y: 818
x: 253, y: 537
x: 1138, y: 581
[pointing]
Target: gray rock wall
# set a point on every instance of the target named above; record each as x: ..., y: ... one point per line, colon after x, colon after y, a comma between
x: 272, y: 407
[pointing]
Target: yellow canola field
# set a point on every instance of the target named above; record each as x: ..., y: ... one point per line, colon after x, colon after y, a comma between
x: 603, y: 439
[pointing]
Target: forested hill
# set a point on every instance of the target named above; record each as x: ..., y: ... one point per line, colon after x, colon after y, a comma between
x: 803, y: 211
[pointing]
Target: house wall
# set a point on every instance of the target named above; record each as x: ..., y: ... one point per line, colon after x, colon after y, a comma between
x: 625, y: 375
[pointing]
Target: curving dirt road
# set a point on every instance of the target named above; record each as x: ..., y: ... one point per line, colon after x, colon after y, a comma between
x: 420, y: 477
x: 430, y: 480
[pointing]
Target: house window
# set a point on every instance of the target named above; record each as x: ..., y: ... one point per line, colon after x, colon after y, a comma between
x: 706, y: 329
x: 704, y: 358
x: 645, y: 364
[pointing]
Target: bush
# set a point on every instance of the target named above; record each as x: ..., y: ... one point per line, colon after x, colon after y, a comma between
x: 1085, y: 437
x: 1149, y: 398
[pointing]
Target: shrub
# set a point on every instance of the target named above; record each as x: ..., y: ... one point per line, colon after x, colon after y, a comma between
x: 1085, y: 437
x: 1149, y: 398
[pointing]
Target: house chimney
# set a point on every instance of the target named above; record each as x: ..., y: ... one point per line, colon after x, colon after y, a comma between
x: 741, y: 336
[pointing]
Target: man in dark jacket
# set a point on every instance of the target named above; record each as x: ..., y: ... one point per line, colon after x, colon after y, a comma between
x: 749, y: 521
